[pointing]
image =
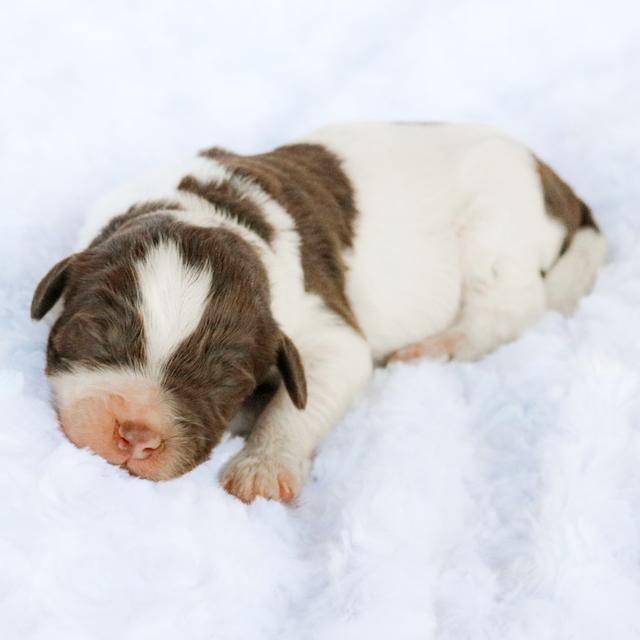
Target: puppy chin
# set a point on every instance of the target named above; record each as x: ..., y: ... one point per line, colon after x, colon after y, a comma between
x: 157, y: 468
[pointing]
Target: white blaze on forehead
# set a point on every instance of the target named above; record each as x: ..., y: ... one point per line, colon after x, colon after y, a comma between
x: 173, y: 297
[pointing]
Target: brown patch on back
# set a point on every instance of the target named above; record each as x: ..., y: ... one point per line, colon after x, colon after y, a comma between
x: 227, y: 197
x: 563, y: 204
x: 308, y: 181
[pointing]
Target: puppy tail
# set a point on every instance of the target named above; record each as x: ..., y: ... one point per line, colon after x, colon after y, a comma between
x: 574, y: 273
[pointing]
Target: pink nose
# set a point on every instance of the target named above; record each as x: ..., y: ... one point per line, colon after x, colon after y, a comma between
x: 137, y: 440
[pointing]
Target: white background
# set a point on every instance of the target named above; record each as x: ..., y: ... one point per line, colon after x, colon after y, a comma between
x: 493, y: 500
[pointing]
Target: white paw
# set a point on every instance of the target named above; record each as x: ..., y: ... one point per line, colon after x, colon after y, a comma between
x: 253, y: 473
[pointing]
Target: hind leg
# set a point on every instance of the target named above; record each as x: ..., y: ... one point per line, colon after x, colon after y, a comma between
x: 498, y: 304
x: 505, y: 239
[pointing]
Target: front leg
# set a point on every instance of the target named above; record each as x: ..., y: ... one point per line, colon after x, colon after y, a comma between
x: 276, y: 459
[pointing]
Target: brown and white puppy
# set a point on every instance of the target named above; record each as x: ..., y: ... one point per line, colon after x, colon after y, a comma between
x: 302, y: 266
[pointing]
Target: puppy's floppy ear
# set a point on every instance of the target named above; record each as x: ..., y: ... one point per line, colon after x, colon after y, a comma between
x: 50, y: 289
x: 292, y: 372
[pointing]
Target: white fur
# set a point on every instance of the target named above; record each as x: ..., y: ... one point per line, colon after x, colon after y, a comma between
x: 574, y: 274
x: 173, y: 297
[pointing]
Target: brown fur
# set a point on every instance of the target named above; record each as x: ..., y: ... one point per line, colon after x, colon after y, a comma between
x: 563, y: 204
x: 226, y: 197
x: 309, y: 183
x: 100, y: 324
x: 50, y: 288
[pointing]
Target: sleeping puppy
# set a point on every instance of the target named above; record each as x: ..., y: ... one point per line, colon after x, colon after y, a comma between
x: 296, y: 271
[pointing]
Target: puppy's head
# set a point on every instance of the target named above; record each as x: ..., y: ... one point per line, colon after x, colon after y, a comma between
x: 164, y: 331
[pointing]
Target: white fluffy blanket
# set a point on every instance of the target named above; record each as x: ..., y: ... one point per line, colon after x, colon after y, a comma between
x: 495, y: 500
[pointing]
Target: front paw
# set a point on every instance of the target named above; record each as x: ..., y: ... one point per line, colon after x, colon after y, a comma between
x: 252, y: 473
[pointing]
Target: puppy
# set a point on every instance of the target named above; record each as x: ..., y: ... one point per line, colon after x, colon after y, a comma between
x: 296, y: 271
